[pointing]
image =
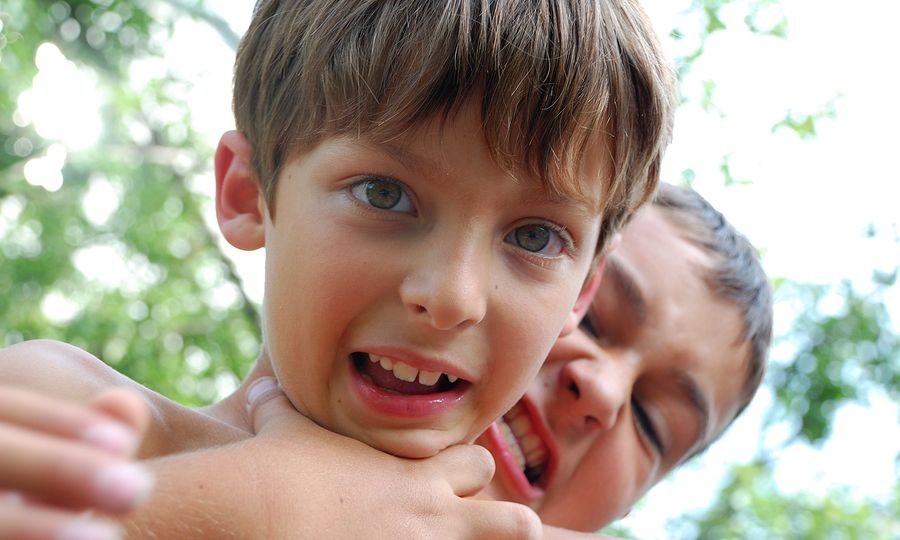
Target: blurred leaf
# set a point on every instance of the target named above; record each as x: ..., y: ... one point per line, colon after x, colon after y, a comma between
x: 751, y: 506
x: 118, y: 260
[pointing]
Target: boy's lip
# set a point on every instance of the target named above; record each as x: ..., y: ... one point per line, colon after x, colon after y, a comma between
x: 507, y: 466
x: 409, y: 406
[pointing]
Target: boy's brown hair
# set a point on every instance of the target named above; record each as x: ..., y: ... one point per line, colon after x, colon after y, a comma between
x: 554, y: 77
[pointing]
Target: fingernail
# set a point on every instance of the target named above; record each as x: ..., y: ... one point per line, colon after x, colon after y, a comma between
x: 259, y: 388
x: 110, y: 436
x: 82, y: 529
x: 121, y: 487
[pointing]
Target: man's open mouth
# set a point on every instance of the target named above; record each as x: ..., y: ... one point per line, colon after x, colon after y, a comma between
x: 525, y: 444
x: 401, y: 378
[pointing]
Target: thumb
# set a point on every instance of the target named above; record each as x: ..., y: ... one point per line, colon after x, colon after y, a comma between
x: 267, y: 406
x: 467, y: 468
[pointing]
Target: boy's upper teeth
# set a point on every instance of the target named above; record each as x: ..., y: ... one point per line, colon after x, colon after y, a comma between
x: 429, y: 378
x: 406, y: 372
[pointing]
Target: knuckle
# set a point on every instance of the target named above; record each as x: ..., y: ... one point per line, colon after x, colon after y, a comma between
x: 525, y: 523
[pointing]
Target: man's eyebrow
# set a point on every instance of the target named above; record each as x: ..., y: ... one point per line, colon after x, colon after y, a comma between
x: 689, y: 387
x: 629, y: 288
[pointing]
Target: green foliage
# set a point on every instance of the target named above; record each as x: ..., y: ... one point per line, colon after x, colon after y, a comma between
x: 138, y: 279
x: 837, y: 354
x: 758, y: 17
x: 803, y: 124
x: 725, y: 169
x: 751, y: 506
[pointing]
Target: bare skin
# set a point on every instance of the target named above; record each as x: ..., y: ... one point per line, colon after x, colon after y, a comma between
x: 196, y: 484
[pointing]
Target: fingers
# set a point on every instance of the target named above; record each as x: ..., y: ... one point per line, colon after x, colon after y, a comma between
x: 467, y: 468
x: 69, y: 455
x: 125, y: 406
x: 67, y: 473
x: 268, y: 408
x: 55, y: 417
x: 38, y: 523
x: 500, y: 520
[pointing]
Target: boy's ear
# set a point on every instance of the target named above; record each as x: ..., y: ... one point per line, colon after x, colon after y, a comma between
x: 239, y: 200
x: 589, y: 289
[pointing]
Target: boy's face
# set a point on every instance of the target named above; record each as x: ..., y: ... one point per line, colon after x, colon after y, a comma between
x: 413, y: 289
x: 654, y: 373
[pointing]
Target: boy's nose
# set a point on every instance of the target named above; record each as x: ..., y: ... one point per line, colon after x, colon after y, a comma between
x: 446, y: 288
x: 597, y: 390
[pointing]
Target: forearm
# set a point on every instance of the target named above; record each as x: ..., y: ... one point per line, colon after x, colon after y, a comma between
x: 297, y: 480
x: 212, y: 493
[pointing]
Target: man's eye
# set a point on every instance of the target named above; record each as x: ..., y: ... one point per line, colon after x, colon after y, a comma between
x: 645, y: 424
x: 587, y: 325
x: 539, y: 238
x: 383, y: 194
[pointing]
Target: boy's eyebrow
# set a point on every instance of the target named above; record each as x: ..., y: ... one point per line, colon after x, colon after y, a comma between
x: 409, y: 159
x: 689, y: 387
x: 629, y: 288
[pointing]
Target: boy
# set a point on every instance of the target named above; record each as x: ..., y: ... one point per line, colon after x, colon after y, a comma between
x: 462, y: 164
x: 606, y: 434
x: 671, y: 351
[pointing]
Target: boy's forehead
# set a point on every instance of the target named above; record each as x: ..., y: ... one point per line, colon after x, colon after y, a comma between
x: 422, y: 148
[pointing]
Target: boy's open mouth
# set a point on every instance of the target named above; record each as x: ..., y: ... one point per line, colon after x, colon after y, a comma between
x: 525, y: 444
x: 400, y: 378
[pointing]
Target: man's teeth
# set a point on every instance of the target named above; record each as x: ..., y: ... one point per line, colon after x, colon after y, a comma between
x: 512, y: 444
x: 406, y: 372
x: 526, y: 446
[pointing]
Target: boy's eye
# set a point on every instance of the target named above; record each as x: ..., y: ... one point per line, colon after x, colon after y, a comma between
x: 539, y: 238
x: 383, y: 194
x: 532, y: 237
x: 645, y: 424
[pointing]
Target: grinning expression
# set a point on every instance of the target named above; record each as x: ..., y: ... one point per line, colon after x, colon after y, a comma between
x: 654, y: 373
x: 413, y: 288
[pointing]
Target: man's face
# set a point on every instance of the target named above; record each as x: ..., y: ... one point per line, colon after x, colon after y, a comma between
x: 413, y: 289
x: 654, y: 373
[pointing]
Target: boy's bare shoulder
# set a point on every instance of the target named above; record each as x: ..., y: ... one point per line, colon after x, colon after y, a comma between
x: 67, y: 372
x: 58, y: 368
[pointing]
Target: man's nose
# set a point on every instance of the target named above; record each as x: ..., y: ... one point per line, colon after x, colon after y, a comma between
x: 446, y: 287
x: 597, y: 389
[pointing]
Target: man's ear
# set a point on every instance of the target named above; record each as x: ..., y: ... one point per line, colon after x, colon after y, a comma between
x: 239, y: 200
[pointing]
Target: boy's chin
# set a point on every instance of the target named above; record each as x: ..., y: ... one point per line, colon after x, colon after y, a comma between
x: 412, y: 443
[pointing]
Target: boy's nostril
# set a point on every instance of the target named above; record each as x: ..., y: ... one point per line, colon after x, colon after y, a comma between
x: 574, y: 389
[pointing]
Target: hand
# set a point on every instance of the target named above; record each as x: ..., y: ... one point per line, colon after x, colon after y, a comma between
x: 355, y: 491
x: 58, y: 459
